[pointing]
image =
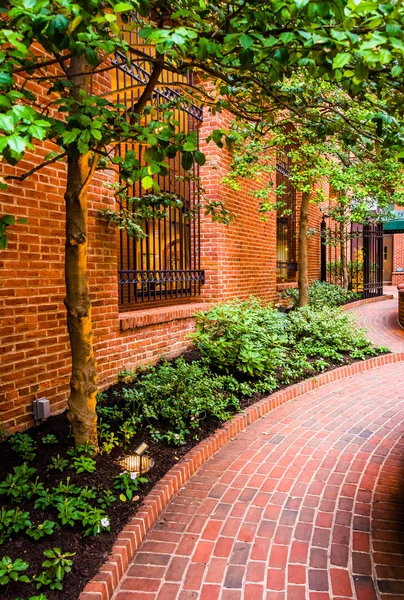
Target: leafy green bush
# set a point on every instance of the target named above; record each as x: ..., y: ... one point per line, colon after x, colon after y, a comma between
x: 327, y: 332
x: 321, y: 293
x: 170, y: 400
x: 11, y: 570
x: 257, y: 340
x: 246, y: 347
x: 242, y: 337
x: 23, y: 445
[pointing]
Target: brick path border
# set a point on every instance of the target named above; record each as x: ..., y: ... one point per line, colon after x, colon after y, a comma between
x: 367, y: 301
x: 106, y: 582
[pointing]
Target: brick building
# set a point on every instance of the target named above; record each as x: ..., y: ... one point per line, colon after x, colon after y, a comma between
x: 143, y: 292
x: 393, y: 249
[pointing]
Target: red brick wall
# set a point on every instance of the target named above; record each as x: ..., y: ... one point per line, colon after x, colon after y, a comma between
x: 35, y: 359
x: 398, y: 258
x: 239, y: 260
x: 398, y: 251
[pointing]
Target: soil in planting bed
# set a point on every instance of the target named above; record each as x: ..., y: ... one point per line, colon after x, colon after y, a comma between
x: 90, y: 552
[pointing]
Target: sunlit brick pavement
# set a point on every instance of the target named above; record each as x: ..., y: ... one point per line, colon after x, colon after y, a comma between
x: 380, y: 318
x: 307, y: 503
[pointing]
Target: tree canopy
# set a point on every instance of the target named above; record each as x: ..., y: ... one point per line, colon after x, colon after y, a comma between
x: 256, y: 58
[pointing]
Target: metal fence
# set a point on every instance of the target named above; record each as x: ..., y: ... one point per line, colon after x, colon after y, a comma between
x: 163, y: 265
x: 352, y: 256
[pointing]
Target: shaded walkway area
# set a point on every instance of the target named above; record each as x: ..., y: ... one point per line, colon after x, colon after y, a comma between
x: 307, y: 503
x: 380, y: 318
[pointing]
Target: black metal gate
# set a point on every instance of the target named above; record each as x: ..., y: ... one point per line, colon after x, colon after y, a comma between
x: 352, y: 256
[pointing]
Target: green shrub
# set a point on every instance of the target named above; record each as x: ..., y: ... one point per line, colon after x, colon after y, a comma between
x: 327, y: 332
x: 23, y: 445
x: 321, y: 293
x: 255, y: 339
x: 172, y: 399
x: 246, y: 347
x: 242, y: 337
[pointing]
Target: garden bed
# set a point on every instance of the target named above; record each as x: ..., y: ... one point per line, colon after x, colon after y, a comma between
x: 157, y: 382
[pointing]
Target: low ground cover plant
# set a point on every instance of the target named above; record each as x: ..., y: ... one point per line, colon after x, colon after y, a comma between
x: 62, y: 502
x: 321, y: 293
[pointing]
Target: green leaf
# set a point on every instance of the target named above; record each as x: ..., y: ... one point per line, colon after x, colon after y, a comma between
x: 122, y: 497
x: 4, y: 102
x: 69, y: 136
x: 17, y: 143
x: 246, y: 41
x: 191, y: 143
x: 187, y: 160
x: 82, y: 146
x: 5, y: 79
x: 287, y: 37
x: 147, y: 182
x: 7, y: 123
x: 246, y: 58
x: 396, y: 70
x: 96, y: 133
x: 91, y: 56
x: 123, y: 7
x: 361, y: 71
x: 37, y: 132
x: 8, y: 219
x: 200, y: 158
x: 59, y: 24
x: 341, y: 59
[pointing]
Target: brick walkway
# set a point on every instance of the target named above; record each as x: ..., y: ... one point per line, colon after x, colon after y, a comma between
x: 380, y: 318
x: 307, y: 503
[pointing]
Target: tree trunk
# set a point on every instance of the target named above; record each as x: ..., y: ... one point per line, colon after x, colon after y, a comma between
x: 303, y: 260
x: 83, y: 383
x: 344, y: 267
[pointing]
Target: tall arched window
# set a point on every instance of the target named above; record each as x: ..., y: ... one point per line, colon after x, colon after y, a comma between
x: 286, y: 265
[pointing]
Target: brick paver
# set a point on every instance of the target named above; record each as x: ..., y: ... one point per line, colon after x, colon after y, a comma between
x: 307, y: 503
x: 380, y: 319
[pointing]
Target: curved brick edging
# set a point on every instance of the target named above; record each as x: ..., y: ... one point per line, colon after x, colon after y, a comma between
x: 103, y: 585
x: 367, y: 301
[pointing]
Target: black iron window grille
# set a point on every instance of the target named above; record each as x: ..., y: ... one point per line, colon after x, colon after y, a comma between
x: 164, y: 265
x: 286, y: 265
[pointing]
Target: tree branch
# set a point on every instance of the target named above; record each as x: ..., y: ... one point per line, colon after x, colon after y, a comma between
x: 148, y: 90
x: 35, y: 169
x: 46, y: 63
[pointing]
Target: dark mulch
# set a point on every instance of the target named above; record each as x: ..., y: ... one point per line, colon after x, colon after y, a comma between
x: 90, y: 551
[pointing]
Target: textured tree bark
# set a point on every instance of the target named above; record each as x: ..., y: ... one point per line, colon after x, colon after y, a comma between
x: 344, y: 266
x: 83, y: 383
x: 302, y: 250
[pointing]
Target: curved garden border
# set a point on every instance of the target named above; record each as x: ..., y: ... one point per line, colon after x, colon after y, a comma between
x: 106, y: 582
x: 367, y: 301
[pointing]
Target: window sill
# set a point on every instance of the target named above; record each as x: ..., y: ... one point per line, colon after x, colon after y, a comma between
x: 286, y: 286
x: 156, y: 315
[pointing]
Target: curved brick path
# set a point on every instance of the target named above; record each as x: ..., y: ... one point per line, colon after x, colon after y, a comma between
x: 380, y: 318
x: 307, y: 503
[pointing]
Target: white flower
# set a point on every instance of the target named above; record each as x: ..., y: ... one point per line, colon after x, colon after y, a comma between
x: 177, y: 437
x: 133, y: 475
x: 105, y: 522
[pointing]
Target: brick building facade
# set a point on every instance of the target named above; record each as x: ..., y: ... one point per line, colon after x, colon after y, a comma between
x: 397, y: 249
x: 239, y: 260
